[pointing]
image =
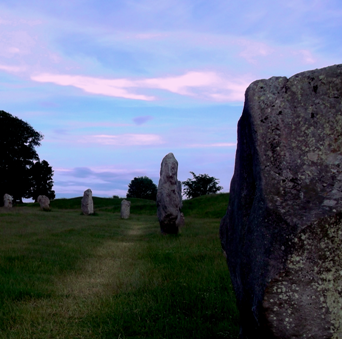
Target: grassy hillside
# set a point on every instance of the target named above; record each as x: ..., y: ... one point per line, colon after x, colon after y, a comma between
x: 138, y: 206
x: 207, y: 206
x: 65, y: 275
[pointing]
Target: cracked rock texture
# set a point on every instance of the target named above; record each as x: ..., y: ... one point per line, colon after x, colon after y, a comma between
x: 169, y: 196
x: 282, y: 232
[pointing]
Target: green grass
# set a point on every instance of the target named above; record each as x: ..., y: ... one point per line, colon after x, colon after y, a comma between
x: 65, y: 275
x: 75, y: 203
x: 208, y: 206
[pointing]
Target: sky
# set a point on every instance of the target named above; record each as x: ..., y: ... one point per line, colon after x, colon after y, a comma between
x: 115, y: 85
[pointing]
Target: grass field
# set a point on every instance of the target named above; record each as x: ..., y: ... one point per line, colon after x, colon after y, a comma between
x: 65, y: 275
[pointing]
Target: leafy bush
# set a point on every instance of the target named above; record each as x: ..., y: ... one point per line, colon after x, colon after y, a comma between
x: 201, y: 184
x: 142, y: 187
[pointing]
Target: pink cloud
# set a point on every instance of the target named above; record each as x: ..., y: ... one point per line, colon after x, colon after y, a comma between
x: 109, y: 87
x: 95, y: 170
x: 182, y: 83
x: 120, y: 140
x: 232, y: 90
x: 11, y: 69
x: 116, y: 140
x: 77, y: 125
x: 206, y: 85
x: 126, y: 139
x: 114, y: 170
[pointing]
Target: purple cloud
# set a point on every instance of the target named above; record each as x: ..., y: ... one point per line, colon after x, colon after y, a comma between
x: 142, y: 120
x: 61, y: 131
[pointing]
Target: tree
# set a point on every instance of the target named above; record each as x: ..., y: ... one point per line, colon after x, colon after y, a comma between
x: 17, y: 155
x: 201, y: 184
x: 142, y: 187
x: 41, y: 174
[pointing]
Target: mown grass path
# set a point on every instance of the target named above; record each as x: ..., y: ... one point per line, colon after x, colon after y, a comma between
x: 64, y: 275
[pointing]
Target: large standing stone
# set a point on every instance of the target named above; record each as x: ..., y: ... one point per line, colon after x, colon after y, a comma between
x: 8, y: 201
x: 169, y: 196
x: 44, y: 202
x: 87, y: 204
x: 283, y: 229
x: 125, y: 209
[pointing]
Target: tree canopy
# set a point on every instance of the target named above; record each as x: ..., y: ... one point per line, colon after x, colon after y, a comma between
x: 201, y: 184
x: 41, y: 180
x: 142, y: 187
x: 18, y: 155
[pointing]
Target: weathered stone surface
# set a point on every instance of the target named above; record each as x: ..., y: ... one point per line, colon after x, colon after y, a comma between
x: 169, y: 196
x: 8, y: 201
x: 44, y: 202
x: 283, y: 229
x: 87, y: 204
x: 125, y: 209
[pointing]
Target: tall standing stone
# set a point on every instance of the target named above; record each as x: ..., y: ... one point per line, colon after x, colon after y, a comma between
x: 169, y: 198
x: 87, y: 204
x: 125, y: 209
x: 283, y: 229
x: 44, y: 202
x: 8, y: 201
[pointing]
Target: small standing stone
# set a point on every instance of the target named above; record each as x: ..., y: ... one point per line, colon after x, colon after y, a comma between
x: 125, y: 209
x: 44, y: 202
x: 8, y: 201
x: 87, y: 202
x: 169, y: 197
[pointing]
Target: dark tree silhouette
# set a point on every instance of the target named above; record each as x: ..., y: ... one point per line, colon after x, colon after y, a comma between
x: 201, y: 184
x: 142, y: 187
x: 41, y: 174
x: 17, y: 155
